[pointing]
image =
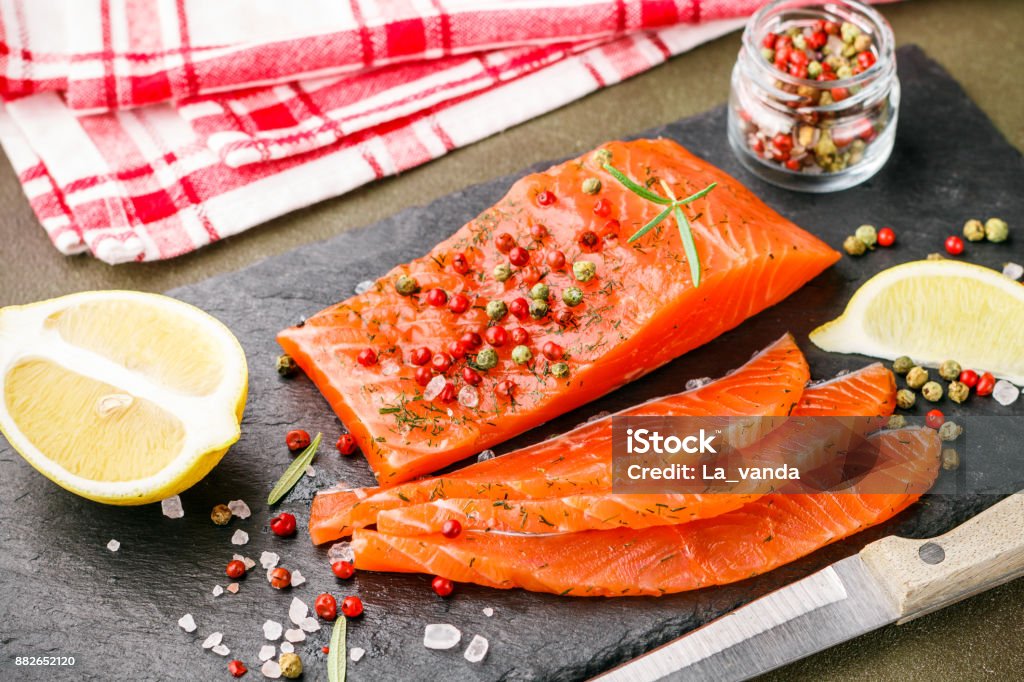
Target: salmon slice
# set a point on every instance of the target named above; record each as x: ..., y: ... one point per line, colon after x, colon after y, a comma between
x: 804, y: 441
x: 579, y: 461
x: 762, y: 535
x: 638, y: 311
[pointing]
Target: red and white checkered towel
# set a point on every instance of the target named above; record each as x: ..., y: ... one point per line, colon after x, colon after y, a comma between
x: 145, y: 129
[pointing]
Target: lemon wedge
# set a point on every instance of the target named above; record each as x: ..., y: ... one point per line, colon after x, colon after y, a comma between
x: 121, y: 397
x: 934, y: 311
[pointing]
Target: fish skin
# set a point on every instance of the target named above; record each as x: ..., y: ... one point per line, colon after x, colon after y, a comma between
x: 769, y: 384
x: 760, y: 536
x: 640, y: 311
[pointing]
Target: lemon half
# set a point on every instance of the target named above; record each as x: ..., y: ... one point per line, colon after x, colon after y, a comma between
x: 121, y: 397
x: 934, y: 311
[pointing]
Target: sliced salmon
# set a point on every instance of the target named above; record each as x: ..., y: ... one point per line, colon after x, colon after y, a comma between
x: 762, y: 535
x: 867, y: 392
x: 639, y: 310
x: 579, y: 461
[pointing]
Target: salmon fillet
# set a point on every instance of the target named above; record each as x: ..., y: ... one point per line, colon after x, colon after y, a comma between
x: 760, y: 536
x: 639, y: 310
x: 579, y: 461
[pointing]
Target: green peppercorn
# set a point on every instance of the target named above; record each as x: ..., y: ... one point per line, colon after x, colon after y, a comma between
x: 932, y: 391
x: 813, y: 69
x: 487, y: 358
x: 974, y: 231
x: 560, y: 370
x: 935, y: 256
x: 286, y: 366
x: 497, y: 310
x: 521, y: 355
x: 584, y: 270
x: 950, y: 370
x: 572, y: 297
x: 902, y: 364
x: 591, y: 186
x: 996, y: 230
x: 540, y: 292
x: 905, y: 399
x: 854, y: 246
x: 867, y: 234
x: 799, y: 41
x: 602, y: 156
x: 897, y: 421
x: 862, y: 42
x: 950, y: 431
x: 221, y: 515
x: 291, y: 665
x: 958, y: 392
x: 950, y: 459
x: 849, y: 31
x: 844, y: 72
x: 406, y: 285
x: 769, y: 54
x: 502, y: 272
x: 538, y: 309
x: 917, y: 377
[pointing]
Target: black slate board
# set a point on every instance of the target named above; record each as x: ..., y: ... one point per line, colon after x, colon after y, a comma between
x: 64, y: 593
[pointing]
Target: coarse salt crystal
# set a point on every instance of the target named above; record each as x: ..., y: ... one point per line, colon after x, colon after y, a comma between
x: 271, y: 669
x: 240, y: 537
x: 294, y: 635
x: 341, y: 551
x: 356, y: 653
x: 272, y: 630
x: 485, y: 455
x: 310, y: 471
x: 434, y: 387
x: 297, y: 610
x: 239, y: 508
x: 269, y: 559
x: 469, y: 397
x: 221, y: 650
x: 1005, y: 393
x: 287, y: 648
x: 232, y: 588
x: 476, y: 650
x: 267, y: 652
x: 364, y: 286
x: 697, y: 383
x: 488, y: 611
x: 249, y: 563
x: 309, y: 624
x: 172, y: 508
x: 390, y: 368
x: 1013, y: 270
x: 441, y: 636
x: 297, y: 578
x: 187, y: 623
x: 113, y: 545
x: 217, y: 590
x: 213, y: 640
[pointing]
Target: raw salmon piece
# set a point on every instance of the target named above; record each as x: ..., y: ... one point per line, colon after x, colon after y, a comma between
x: 576, y: 462
x: 867, y: 392
x: 762, y: 535
x: 639, y: 311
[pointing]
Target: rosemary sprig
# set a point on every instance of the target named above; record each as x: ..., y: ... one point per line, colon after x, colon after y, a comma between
x: 294, y: 472
x: 673, y: 207
x: 337, y: 657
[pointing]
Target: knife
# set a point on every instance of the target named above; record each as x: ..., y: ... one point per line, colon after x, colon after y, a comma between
x: 892, y: 580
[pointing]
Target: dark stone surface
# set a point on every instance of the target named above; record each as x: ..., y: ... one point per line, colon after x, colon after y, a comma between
x: 64, y: 593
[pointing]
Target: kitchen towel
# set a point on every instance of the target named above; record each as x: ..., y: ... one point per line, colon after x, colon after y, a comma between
x: 145, y: 129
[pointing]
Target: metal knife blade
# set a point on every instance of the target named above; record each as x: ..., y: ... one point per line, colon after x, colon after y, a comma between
x: 825, y: 608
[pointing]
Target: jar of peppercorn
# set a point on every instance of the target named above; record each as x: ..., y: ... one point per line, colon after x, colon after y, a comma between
x: 814, y: 97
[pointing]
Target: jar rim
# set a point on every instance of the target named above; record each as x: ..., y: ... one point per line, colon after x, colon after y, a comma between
x: 882, y: 69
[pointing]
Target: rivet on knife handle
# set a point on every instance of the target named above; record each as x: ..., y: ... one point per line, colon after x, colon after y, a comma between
x: 925, y: 575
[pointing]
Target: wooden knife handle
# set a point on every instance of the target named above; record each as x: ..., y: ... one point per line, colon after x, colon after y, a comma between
x: 925, y: 575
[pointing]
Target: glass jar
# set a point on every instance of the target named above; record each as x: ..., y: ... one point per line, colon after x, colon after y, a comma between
x: 815, y: 96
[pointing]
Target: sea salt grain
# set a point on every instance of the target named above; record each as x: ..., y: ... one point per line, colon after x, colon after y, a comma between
x: 240, y: 537
x: 441, y: 636
x: 434, y: 387
x: 390, y: 368
x: 294, y: 635
x: 187, y: 623
x: 697, y: 383
x: 269, y: 559
x: 356, y: 654
x: 341, y: 551
x: 272, y: 630
x: 113, y: 545
x: 239, y: 508
x: 485, y: 455
x: 1013, y: 270
x: 297, y: 578
x: 267, y: 652
x: 310, y: 471
x: 287, y: 648
x: 217, y: 590
x: 213, y: 640
x: 271, y: 669
x: 249, y: 563
x: 469, y: 397
x: 488, y: 611
x: 297, y: 611
x: 221, y: 650
x: 171, y: 507
x: 363, y: 286
x: 232, y: 588
x: 476, y: 650
x: 309, y: 624
x: 1005, y: 393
